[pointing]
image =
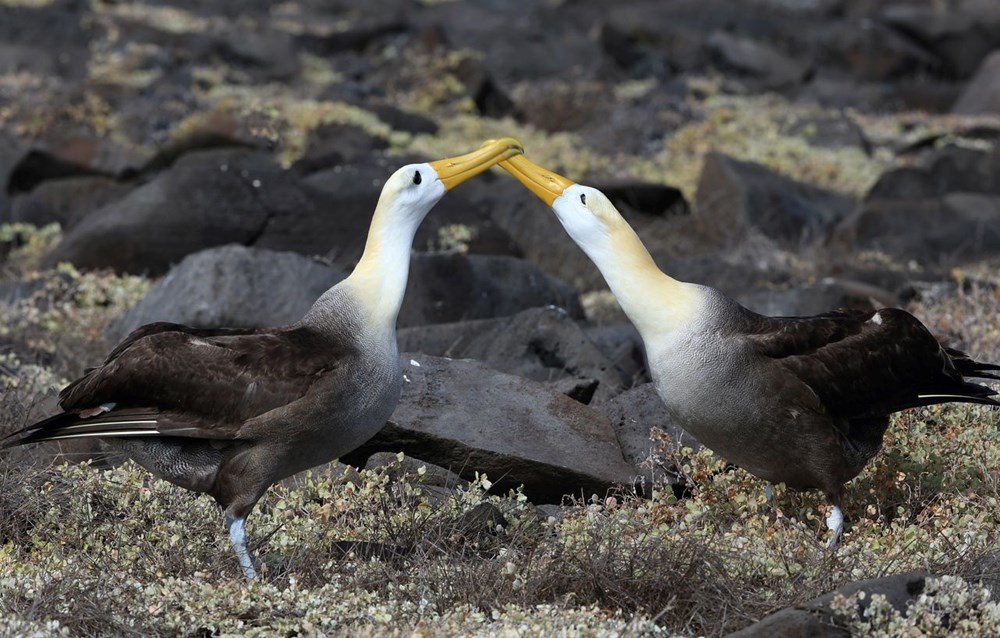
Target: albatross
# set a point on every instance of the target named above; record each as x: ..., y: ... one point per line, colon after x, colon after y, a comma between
x: 803, y: 401
x: 229, y: 412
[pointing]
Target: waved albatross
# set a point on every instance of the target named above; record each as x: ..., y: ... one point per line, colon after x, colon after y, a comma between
x: 803, y: 401
x: 230, y: 412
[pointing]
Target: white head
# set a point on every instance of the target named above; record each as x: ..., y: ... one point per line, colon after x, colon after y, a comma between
x: 411, y: 192
x: 590, y: 219
x: 586, y: 213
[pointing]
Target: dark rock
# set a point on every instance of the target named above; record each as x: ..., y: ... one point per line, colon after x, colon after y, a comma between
x: 622, y: 345
x: 811, y: 299
x: 37, y: 165
x: 550, y: 42
x: 465, y: 416
x: 215, y: 130
x: 581, y: 390
x: 334, y: 217
x: 233, y: 286
x: 958, y: 40
x: 956, y: 228
x: 535, y: 230
x: 942, y: 213
x: 873, y: 51
x: 486, y: 94
x: 47, y: 40
x: 950, y: 169
x: 644, y: 197
x: 816, y: 619
x: 355, y: 35
x: 633, y: 414
x: 206, y: 199
x: 737, y: 195
x: 66, y: 201
x: 982, y: 94
x: 542, y: 344
x: 269, y: 54
x: 448, y: 287
x: 629, y: 53
x: 11, y: 153
x: 400, y: 120
x: 756, y: 59
x: 335, y: 144
x: 481, y: 520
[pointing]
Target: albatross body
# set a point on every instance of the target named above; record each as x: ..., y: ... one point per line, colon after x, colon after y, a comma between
x: 800, y: 400
x: 230, y: 412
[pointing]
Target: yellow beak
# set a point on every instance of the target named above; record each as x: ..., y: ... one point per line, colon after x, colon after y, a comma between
x: 543, y: 183
x: 455, y: 170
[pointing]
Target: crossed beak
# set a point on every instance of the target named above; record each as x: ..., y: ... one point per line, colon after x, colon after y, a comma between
x: 543, y: 183
x: 455, y: 170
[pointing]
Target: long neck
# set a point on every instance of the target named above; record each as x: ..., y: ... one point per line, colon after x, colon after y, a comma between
x: 653, y: 301
x: 379, y: 280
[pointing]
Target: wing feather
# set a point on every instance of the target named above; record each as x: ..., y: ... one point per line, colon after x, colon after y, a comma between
x: 171, y: 380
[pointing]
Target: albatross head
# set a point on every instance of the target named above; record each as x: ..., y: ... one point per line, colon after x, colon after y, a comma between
x: 586, y: 213
x: 415, y: 188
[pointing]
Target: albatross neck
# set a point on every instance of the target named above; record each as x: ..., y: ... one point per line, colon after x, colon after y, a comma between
x: 653, y: 301
x: 379, y: 280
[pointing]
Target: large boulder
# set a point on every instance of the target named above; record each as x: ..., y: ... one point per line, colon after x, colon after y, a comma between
x: 448, y: 287
x: 739, y: 195
x: 206, y: 199
x: 542, y: 344
x: 815, y: 619
x: 467, y: 417
x: 233, y: 286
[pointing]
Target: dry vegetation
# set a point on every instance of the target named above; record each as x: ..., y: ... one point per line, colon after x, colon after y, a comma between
x: 378, y: 553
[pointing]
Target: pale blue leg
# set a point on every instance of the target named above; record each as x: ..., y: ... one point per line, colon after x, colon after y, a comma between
x: 835, y: 522
x: 238, y: 537
x: 769, y: 493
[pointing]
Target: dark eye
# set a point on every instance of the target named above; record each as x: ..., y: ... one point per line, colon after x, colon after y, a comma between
x: 416, y: 177
x: 583, y: 199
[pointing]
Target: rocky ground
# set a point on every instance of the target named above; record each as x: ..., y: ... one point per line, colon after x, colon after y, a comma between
x: 217, y: 163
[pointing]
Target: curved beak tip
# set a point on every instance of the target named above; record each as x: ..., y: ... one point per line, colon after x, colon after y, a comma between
x: 455, y: 170
x: 545, y: 184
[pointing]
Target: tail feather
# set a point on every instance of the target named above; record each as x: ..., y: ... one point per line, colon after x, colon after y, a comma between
x: 969, y: 367
x: 67, y: 425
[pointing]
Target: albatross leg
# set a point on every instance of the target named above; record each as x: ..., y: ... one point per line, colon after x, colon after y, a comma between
x: 238, y: 537
x: 769, y: 492
x: 835, y: 520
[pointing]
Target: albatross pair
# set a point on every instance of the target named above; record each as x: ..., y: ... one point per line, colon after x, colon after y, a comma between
x: 231, y: 412
x: 803, y: 401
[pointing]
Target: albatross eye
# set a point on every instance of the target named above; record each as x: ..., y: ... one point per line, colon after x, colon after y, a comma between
x: 416, y: 177
x: 583, y: 199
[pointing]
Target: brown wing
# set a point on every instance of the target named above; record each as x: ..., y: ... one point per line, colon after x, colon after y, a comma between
x: 864, y: 364
x: 171, y: 380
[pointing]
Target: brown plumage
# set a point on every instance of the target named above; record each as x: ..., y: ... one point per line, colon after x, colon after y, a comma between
x: 231, y: 412
x: 799, y: 400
